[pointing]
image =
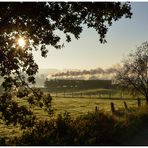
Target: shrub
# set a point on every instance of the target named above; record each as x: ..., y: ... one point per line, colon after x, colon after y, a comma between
x: 91, y: 129
x: 2, y: 141
x: 54, y: 132
x: 97, y: 128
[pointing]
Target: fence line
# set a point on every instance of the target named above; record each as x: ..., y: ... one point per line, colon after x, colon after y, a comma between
x: 81, y: 95
x: 113, y: 109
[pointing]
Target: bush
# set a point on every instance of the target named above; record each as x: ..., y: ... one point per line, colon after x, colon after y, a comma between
x: 54, y: 132
x: 97, y: 128
x: 2, y: 141
x: 92, y: 129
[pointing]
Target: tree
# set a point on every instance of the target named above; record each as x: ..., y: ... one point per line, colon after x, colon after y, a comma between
x: 133, y: 75
x: 36, y: 25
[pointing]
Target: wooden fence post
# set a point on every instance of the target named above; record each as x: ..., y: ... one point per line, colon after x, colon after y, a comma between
x: 125, y: 105
x: 96, y: 109
x: 112, y: 107
x: 139, y: 102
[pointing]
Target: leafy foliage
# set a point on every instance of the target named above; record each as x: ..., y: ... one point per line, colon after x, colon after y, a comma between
x: 12, y: 113
x: 38, y: 24
x: 134, y: 73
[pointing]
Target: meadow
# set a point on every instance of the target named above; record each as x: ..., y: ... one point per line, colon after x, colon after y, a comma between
x: 77, y: 103
x: 81, y: 102
x: 80, y: 106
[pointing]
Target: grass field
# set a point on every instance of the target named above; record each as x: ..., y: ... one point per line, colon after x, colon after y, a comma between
x: 80, y: 102
x: 76, y: 106
x: 79, y: 106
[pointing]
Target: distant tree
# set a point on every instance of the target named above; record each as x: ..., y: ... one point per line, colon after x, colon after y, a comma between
x: 37, y: 24
x: 133, y: 74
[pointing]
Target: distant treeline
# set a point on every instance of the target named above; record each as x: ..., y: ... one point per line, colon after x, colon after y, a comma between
x: 54, y: 85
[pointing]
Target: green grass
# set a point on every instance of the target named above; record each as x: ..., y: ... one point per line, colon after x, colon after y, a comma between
x: 79, y: 106
x: 76, y: 106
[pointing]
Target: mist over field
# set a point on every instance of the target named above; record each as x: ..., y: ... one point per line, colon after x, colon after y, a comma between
x: 75, y: 74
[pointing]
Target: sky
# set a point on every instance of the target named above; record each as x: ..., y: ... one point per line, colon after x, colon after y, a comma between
x: 88, y: 53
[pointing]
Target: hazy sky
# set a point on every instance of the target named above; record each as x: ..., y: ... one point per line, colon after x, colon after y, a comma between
x: 88, y: 53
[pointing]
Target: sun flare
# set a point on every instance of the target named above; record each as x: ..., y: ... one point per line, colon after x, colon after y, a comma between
x: 21, y: 42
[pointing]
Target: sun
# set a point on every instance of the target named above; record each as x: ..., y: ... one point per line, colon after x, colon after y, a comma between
x: 21, y: 42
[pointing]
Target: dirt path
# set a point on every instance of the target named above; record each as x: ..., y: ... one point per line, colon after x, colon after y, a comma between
x: 140, y: 139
